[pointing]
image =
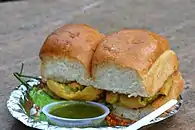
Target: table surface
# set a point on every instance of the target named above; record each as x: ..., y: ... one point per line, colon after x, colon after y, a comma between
x: 24, y: 26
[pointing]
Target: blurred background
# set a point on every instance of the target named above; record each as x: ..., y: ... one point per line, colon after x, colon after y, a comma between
x: 24, y: 25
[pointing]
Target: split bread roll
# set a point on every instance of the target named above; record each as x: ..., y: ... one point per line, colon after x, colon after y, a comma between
x: 66, y: 61
x: 67, y: 52
x: 133, y: 62
x: 136, y: 114
x: 138, y: 70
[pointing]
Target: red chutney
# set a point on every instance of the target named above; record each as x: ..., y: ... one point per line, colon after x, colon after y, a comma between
x: 113, y: 120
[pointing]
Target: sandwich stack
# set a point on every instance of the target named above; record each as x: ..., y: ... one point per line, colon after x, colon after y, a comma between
x: 133, y: 70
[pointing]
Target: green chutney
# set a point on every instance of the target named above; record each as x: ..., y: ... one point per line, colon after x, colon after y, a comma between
x: 76, y: 111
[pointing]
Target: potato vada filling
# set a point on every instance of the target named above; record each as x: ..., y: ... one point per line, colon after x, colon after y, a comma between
x: 74, y: 91
x: 73, y: 87
x: 138, y: 102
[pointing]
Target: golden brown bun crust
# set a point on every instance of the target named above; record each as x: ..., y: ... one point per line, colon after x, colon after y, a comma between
x: 160, y: 71
x: 137, y: 49
x: 74, y: 41
x: 176, y: 90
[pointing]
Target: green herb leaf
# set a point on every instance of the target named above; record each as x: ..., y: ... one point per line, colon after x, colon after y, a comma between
x: 40, y: 98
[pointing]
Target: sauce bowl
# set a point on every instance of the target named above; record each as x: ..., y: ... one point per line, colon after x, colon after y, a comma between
x: 69, y: 122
